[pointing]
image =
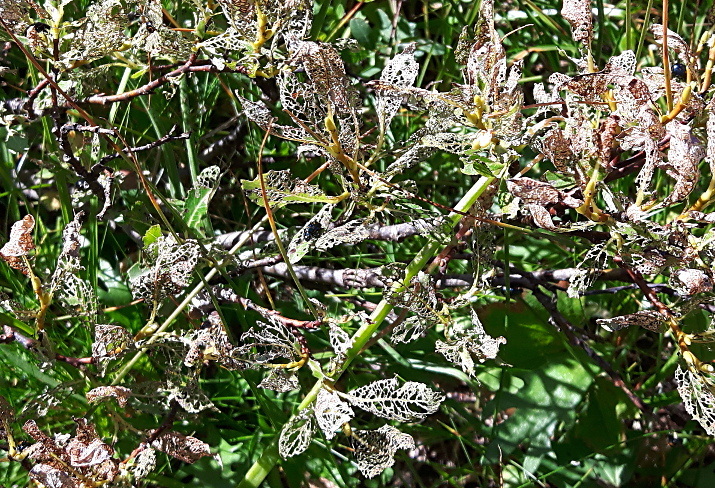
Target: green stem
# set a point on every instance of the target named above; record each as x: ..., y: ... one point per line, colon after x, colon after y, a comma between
x: 260, y: 469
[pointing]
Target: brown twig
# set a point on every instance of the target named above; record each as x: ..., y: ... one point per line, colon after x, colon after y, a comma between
x: 188, y: 67
x: 10, y: 335
x: 287, y: 321
x: 32, y: 95
x: 171, y: 136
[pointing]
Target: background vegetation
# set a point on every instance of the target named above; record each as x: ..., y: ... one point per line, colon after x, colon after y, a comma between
x: 566, y: 402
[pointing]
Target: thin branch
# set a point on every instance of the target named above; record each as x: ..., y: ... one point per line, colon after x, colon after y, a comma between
x: 171, y: 136
x: 565, y: 327
x: 10, y: 335
x: 188, y: 67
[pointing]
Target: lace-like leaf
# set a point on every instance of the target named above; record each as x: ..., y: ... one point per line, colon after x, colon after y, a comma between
x: 110, y: 342
x: 690, y: 282
x: 121, y: 393
x: 282, y: 189
x: 684, y: 157
x: 331, y: 412
x: 19, y: 244
x: 143, y: 464
x: 185, y: 448
x: 280, y: 380
x: 464, y: 344
x: 51, y: 477
x: 351, y: 233
x: 171, y: 265
x: 66, y: 283
x: 86, y: 449
x: 268, y: 342
x: 540, y: 193
x: 375, y: 449
x: 189, y: 396
x: 296, y: 434
x: 587, y: 271
x: 697, y: 391
x: 399, y: 72
x: 578, y: 14
x: 311, y: 231
x: 340, y: 340
x: 210, y: 343
x: 411, y: 401
x: 648, y: 319
x: 410, y: 329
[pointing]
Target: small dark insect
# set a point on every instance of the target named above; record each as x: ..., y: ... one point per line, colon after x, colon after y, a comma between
x: 680, y: 71
x: 150, y: 27
x: 674, y: 439
x: 40, y: 27
x: 312, y: 231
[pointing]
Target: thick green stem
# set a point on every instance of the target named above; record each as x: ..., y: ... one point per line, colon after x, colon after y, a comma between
x: 260, y: 469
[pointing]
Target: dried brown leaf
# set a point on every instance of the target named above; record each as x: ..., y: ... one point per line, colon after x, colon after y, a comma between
x: 19, y: 244
x: 185, y: 448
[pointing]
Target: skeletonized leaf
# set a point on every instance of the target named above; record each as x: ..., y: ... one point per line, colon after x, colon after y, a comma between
x: 296, y: 434
x: 351, y: 233
x: 340, y: 340
x: 51, y: 477
x: 691, y: 281
x: 696, y: 390
x: 331, y: 412
x: 268, y: 341
x: 648, y: 319
x: 375, y: 449
x: 410, y: 329
x: 121, y: 393
x: 211, y: 343
x: 587, y: 270
x: 465, y: 344
x: 19, y: 244
x: 578, y: 14
x: 411, y: 401
x: 110, y: 342
x: 169, y: 271
x: 540, y: 193
x: 144, y: 463
x: 189, y: 397
x: 399, y: 72
x: 307, y: 236
x: 199, y: 197
x: 280, y: 380
x: 282, y: 189
x: 185, y: 448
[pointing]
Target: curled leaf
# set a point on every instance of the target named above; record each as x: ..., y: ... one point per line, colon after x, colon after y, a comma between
x: 19, y: 244
x: 375, y: 449
x: 185, y: 448
x: 648, y: 319
x: 98, y: 394
x: 331, y: 412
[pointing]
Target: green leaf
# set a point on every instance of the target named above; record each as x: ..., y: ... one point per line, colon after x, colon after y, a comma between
x: 362, y: 32
x: 151, y: 235
x: 197, y: 207
x: 479, y: 165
